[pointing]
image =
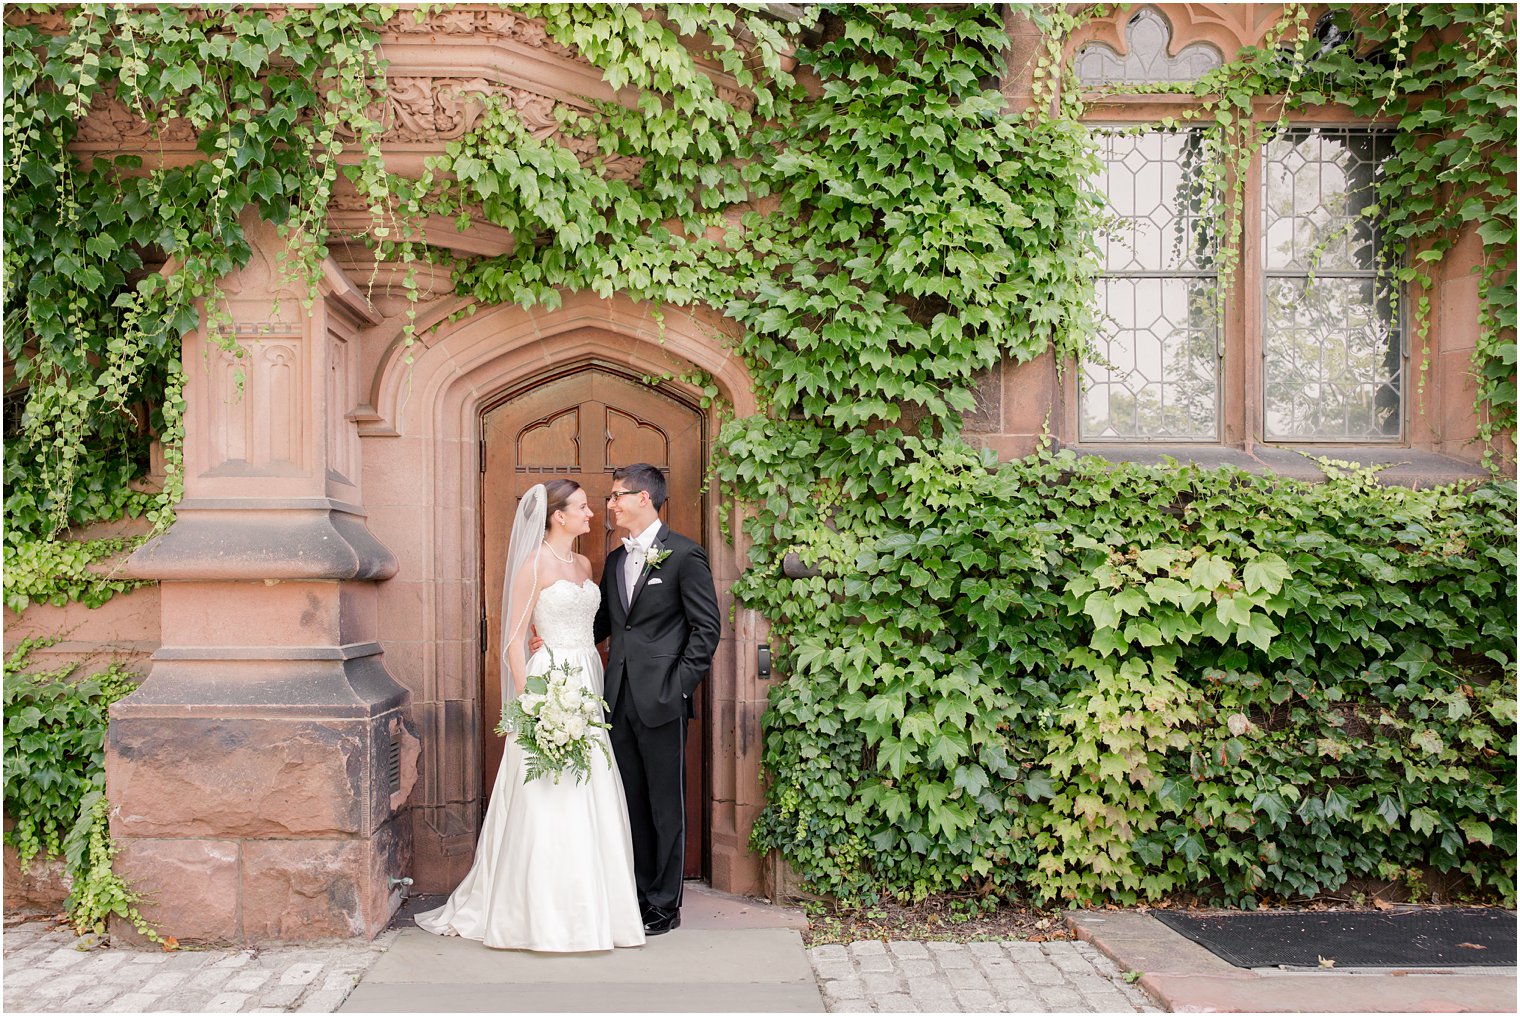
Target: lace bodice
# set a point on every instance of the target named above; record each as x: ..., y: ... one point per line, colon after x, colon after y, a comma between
x: 565, y: 615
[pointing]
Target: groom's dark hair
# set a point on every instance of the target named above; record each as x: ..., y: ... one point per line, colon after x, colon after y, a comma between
x: 643, y: 476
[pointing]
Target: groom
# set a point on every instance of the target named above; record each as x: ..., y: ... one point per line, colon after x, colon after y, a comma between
x: 660, y: 612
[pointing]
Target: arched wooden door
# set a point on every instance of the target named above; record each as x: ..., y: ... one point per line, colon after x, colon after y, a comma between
x: 581, y: 425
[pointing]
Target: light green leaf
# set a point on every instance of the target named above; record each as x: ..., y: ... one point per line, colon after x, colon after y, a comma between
x: 896, y: 756
x: 1210, y: 572
x: 1265, y: 571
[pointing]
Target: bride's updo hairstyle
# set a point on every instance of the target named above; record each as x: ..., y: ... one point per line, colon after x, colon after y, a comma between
x: 557, y: 498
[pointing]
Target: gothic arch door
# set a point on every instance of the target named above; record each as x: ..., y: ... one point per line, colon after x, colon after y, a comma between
x: 581, y: 424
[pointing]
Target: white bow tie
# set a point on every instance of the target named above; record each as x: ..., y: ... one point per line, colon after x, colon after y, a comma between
x: 632, y: 546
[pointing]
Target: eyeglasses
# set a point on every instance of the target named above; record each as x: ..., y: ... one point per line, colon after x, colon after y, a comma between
x: 620, y: 493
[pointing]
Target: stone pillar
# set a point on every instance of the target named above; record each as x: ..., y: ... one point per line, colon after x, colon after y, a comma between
x: 1025, y: 44
x: 257, y: 774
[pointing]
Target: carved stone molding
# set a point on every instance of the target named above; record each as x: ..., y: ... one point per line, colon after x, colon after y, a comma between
x: 423, y: 109
x: 736, y: 97
x: 417, y: 110
x: 48, y: 21
x: 264, y: 329
x: 1227, y: 27
x: 109, y: 121
x: 484, y: 22
x: 429, y: 110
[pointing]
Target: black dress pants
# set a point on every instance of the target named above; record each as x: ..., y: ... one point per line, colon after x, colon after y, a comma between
x: 652, y: 761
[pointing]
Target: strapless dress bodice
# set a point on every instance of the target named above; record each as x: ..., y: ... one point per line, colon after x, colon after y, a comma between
x: 565, y: 615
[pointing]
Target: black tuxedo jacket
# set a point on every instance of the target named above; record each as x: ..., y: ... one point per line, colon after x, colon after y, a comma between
x: 661, y: 646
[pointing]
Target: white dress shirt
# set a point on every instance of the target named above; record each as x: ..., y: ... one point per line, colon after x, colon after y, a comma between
x: 633, y: 564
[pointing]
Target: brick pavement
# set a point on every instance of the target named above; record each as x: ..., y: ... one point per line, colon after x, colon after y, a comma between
x: 48, y: 969
x: 972, y: 977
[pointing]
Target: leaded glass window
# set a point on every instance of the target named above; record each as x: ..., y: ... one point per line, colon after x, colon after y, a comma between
x: 1153, y: 369
x: 1332, y: 348
x: 1147, y: 38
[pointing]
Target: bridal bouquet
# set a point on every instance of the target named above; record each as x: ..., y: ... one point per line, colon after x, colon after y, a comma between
x: 555, y: 719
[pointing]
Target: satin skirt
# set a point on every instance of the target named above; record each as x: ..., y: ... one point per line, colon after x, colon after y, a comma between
x: 553, y: 868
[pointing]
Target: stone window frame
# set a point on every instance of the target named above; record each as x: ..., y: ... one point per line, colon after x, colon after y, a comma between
x: 1241, y: 391
x: 1259, y: 334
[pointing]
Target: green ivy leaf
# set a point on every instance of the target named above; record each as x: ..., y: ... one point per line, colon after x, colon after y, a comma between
x: 1265, y: 572
x: 1038, y: 786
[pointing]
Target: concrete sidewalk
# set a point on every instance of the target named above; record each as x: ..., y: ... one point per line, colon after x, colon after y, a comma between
x: 1183, y: 976
x: 729, y: 955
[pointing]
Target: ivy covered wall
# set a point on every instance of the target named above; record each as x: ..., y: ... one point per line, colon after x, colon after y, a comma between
x: 1048, y: 676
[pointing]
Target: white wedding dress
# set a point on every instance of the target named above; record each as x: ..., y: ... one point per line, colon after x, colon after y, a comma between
x: 553, y: 868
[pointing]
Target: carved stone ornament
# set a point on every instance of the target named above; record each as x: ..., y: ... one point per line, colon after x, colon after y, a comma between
x: 48, y: 21
x: 737, y: 97
x: 416, y: 110
x: 426, y: 109
x: 1147, y: 55
x: 499, y: 22
x: 109, y: 120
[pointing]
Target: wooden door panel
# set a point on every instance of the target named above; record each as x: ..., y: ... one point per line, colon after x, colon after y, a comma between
x: 552, y: 443
x: 581, y: 427
x: 630, y: 439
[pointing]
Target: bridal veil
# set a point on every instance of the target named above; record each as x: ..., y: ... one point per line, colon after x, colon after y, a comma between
x: 522, y: 552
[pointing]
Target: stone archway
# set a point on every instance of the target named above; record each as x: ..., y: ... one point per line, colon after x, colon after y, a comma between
x: 422, y: 491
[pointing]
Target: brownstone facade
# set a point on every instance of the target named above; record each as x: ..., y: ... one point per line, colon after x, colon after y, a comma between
x: 311, y: 727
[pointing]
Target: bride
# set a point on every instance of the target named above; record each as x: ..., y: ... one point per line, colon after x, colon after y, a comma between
x: 553, y: 869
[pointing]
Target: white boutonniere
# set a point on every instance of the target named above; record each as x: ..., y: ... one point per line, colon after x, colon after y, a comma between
x: 654, y: 557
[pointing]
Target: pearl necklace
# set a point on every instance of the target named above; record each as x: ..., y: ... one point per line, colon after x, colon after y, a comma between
x: 566, y: 560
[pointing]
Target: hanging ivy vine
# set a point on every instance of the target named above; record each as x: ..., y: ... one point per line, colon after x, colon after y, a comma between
x: 92, y: 325
x: 917, y: 235
x: 1445, y: 76
x: 1080, y: 682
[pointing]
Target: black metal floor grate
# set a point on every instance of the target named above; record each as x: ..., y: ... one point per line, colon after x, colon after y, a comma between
x: 1418, y: 938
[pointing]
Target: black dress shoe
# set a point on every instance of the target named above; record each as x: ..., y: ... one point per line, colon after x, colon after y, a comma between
x: 658, y: 920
